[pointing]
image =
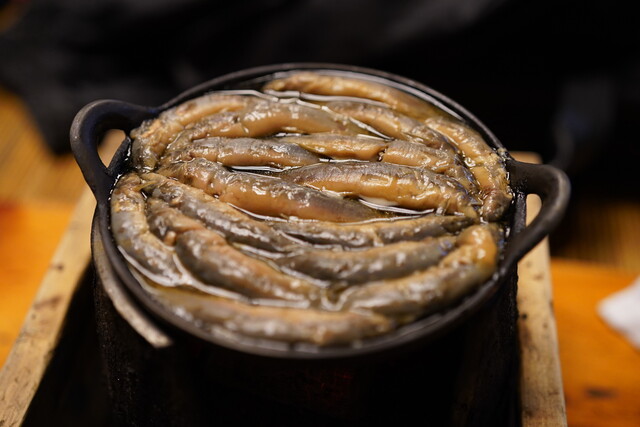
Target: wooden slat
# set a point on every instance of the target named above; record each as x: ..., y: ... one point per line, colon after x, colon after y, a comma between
x: 541, y: 390
x: 30, y: 356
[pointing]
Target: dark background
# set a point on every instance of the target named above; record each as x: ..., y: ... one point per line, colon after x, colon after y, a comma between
x: 557, y: 77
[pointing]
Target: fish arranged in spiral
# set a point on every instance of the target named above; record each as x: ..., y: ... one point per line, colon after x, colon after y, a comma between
x: 322, y: 209
x: 486, y: 165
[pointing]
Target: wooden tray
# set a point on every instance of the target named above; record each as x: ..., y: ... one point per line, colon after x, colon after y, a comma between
x: 64, y: 296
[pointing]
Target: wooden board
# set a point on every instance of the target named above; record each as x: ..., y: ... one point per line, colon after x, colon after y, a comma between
x: 541, y: 391
x: 32, y: 352
x: 601, y: 369
x: 29, y: 235
x: 541, y: 384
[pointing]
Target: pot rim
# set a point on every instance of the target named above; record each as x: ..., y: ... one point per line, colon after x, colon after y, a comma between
x: 102, y: 115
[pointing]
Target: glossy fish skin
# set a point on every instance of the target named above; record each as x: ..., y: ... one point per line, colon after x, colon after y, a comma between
x: 316, y: 83
x: 243, y: 152
x: 470, y: 264
x: 393, y: 124
x: 235, y: 226
x: 218, y: 125
x: 426, y: 226
x: 484, y: 163
x: 376, y: 233
x: 284, y: 324
x: 415, y: 154
x: 265, y: 195
x: 131, y: 232
x: 263, y: 118
x: 389, y: 261
x: 357, y: 147
x: 239, y: 116
x: 270, y: 118
x: 403, y: 120
x: 152, y: 137
x: 409, y: 187
x: 211, y: 259
x: 241, y: 214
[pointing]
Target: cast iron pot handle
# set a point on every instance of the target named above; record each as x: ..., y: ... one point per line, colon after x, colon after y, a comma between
x: 89, y: 126
x: 552, y: 185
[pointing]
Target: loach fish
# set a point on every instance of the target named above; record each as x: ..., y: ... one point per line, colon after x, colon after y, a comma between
x: 268, y: 118
x: 264, y: 118
x: 323, y: 218
x: 486, y: 166
x: 484, y: 163
x: 277, y: 153
x: 284, y: 324
x: 372, y: 233
x: 230, y: 116
x: 408, y: 187
x: 415, y: 154
x: 359, y: 147
x: 152, y: 137
x: 265, y: 195
x: 131, y: 232
x: 472, y: 262
x: 331, y: 85
x: 212, y: 260
x: 393, y: 124
x: 234, y: 225
x: 384, y: 262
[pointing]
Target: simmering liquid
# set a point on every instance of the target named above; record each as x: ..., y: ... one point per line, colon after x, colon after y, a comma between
x: 321, y: 209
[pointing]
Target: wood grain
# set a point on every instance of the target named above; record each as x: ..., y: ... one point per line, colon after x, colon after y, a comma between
x: 541, y: 389
x: 601, y: 370
x: 29, y: 236
x: 30, y: 356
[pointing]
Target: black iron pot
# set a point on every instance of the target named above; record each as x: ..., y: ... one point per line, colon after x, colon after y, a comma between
x: 162, y: 330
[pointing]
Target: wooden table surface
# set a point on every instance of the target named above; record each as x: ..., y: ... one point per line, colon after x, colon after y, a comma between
x: 600, y: 370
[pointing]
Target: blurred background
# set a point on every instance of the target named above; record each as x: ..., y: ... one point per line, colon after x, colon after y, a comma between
x: 558, y: 78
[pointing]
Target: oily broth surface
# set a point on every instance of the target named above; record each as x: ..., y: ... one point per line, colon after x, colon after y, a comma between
x: 330, y: 251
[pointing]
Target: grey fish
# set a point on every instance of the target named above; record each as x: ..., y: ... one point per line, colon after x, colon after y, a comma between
x: 484, y: 163
x: 315, y: 83
x: 284, y: 324
x: 389, y: 261
x: 416, y: 154
x: 469, y: 265
x: 409, y: 187
x: 152, y: 137
x: 373, y: 233
x: 393, y: 124
x: 240, y: 116
x: 211, y: 259
x: 264, y: 195
x: 131, y: 232
x: 263, y: 118
x: 403, y: 123
x: 359, y: 147
x: 234, y: 225
x: 276, y: 153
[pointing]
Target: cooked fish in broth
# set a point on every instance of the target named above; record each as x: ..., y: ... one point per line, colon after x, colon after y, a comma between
x: 319, y: 209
